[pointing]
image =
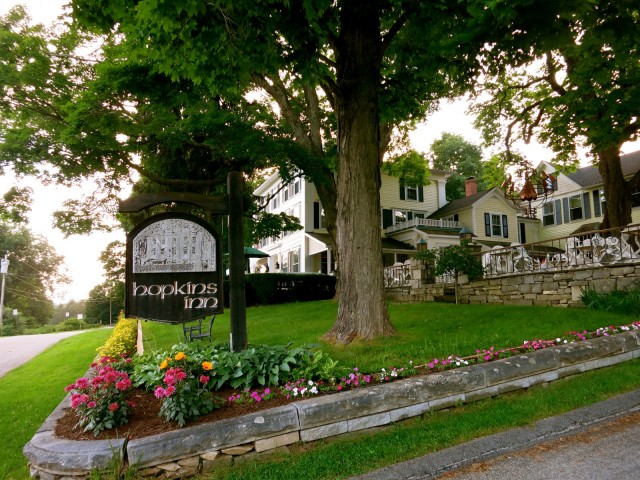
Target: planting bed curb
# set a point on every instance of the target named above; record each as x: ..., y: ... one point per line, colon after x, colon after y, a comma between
x: 201, y: 448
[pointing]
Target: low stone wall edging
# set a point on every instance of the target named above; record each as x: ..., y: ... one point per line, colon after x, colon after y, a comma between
x: 201, y: 448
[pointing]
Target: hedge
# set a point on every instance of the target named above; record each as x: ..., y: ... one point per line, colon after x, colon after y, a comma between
x: 272, y: 288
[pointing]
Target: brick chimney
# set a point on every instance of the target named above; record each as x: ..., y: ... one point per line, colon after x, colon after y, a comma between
x: 471, y: 186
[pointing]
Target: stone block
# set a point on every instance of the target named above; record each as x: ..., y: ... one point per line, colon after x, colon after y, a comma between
x: 169, y: 467
x: 409, y: 412
x: 47, y: 452
x: 275, y: 442
x: 578, y: 352
x: 630, y: 340
x: 481, y: 394
x: 226, y: 433
x: 379, y: 398
x: 210, y: 456
x: 324, y: 431
x: 518, y: 301
x: 519, y: 366
x: 607, y: 361
x: 238, y: 449
x: 370, y: 421
x: 446, y: 402
x: 189, y: 462
x: 583, y: 274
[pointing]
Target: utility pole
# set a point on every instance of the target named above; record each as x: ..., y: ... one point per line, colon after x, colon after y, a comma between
x: 4, y: 267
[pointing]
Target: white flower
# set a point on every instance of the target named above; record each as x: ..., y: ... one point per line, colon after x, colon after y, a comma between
x: 295, y: 392
x: 313, y: 390
x: 310, y: 382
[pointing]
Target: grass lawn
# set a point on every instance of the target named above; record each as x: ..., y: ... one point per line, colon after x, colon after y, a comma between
x: 425, y: 330
x: 30, y: 393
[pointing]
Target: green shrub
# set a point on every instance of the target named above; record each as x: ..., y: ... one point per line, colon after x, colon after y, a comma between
x: 257, y: 366
x: 274, y: 288
x: 619, y: 301
x: 122, y: 341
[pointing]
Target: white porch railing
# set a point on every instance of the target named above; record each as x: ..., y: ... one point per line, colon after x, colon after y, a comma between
x: 426, y: 222
x: 595, y: 248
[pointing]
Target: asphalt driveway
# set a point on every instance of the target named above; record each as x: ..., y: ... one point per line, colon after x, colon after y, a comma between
x: 14, y: 351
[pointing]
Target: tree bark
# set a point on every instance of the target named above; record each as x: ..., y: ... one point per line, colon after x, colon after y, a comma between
x: 616, y: 189
x: 362, y: 311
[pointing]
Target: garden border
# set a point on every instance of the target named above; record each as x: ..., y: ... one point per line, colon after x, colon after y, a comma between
x: 201, y: 448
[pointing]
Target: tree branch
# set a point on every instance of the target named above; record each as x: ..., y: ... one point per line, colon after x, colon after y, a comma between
x: 278, y: 92
x: 551, y: 78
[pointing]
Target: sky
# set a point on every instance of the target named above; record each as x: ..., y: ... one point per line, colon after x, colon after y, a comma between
x: 81, y: 252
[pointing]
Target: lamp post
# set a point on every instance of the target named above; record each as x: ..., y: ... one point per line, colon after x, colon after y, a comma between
x: 4, y: 267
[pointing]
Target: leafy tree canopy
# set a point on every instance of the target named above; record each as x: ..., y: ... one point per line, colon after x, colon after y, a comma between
x: 571, y: 79
x: 451, y: 152
x: 34, y: 269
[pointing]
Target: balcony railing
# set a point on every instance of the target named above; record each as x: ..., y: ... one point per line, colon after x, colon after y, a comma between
x: 426, y: 222
x: 589, y: 249
x: 595, y: 248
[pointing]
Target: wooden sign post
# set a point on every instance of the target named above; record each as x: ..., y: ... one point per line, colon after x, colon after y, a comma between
x: 186, y: 250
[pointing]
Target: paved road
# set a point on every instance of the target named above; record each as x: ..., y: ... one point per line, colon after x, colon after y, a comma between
x: 14, y: 351
x: 598, y: 442
x: 607, y: 451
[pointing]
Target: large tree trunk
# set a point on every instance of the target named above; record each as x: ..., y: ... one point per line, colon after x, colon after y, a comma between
x: 616, y: 189
x: 362, y: 311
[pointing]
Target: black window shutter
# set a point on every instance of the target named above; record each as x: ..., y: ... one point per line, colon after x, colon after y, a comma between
x: 316, y: 215
x: 557, y: 209
x: 409, y: 215
x: 455, y: 217
x: 586, y: 205
x: 565, y: 208
x: 505, y: 227
x: 387, y: 218
x: 487, y: 225
x: 401, y: 181
x: 597, y: 210
x: 421, y: 193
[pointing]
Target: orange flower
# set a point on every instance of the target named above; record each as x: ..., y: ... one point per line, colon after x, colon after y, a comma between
x: 180, y: 356
x: 207, y: 366
x: 164, y: 364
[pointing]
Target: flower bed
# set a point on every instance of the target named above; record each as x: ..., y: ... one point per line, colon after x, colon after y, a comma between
x: 184, y: 452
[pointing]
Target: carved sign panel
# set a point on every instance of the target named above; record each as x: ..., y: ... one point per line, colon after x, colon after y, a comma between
x: 174, y: 269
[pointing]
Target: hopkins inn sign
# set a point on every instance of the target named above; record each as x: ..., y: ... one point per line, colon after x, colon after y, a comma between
x: 174, y: 269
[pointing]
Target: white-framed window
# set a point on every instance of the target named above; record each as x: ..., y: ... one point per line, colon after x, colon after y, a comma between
x: 400, y: 216
x: 575, y: 208
x: 548, y: 214
x: 411, y: 193
x: 294, y: 260
x: 496, y: 225
x: 275, y: 200
x: 290, y: 261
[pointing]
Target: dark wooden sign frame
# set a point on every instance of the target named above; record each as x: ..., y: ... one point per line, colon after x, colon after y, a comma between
x: 173, y: 269
x: 230, y: 204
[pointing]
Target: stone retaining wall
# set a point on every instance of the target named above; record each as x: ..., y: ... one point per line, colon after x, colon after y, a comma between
x: 201, y: 448
x: 560, y: 288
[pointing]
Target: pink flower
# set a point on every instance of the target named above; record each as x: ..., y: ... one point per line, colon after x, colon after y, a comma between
x: 91, y: 404
x: 82, y: 383
x: 204, y: 379
x: 339, y: 387
x: 170, y: 391
x: 267, y: 391
x: 123, y: 384
x: 114, y: 406
x: 159, y: 392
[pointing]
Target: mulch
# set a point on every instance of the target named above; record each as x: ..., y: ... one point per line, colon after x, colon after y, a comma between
x: 145, y: 419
